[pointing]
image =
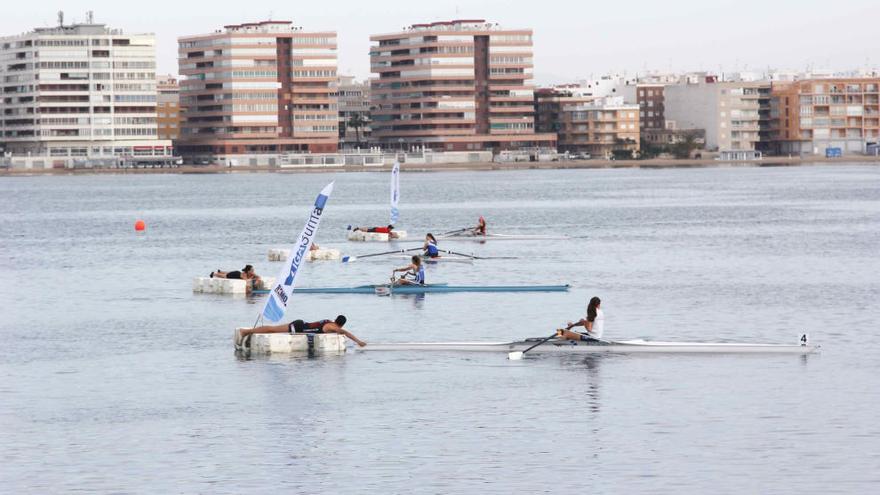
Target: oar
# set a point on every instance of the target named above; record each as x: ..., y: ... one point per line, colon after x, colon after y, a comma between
x: 455, y: 231
x: 517, y: 355
x: 348, y: 259
x: 471, y: 256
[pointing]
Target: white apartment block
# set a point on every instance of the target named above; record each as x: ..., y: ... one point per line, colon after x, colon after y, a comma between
x: 728, y: 111
x: 83, y: 90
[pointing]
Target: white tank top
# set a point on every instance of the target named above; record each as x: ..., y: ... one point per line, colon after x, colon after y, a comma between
x: 598, y: 325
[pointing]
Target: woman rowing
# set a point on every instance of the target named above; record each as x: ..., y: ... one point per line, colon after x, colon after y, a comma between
x: 594, y: 324
x: 413, y: 274
x: 429, y: 249
x: 300, y: 326
x: 480, y: 229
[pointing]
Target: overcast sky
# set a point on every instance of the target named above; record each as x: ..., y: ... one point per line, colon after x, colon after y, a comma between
x: 573, y: 39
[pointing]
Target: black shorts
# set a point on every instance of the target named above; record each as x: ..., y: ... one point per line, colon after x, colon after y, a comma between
x: 299, y: 326
x: 234, y: 275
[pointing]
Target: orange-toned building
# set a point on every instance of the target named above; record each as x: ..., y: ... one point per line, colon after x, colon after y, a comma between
x: 258, y: 88
x: 168, y: 116
x: 588, y: 124
x: 808, y: 117
x: 454, y: 86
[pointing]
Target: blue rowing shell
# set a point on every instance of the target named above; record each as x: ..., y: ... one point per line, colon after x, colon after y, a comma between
x: 423, y: 289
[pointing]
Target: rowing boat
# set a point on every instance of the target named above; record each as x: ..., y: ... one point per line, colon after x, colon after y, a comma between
x: 555, y: 346
x: 429, y: 288
x: 500, y: 237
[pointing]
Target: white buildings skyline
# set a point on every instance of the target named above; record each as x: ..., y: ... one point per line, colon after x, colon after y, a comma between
x: 80, y: 90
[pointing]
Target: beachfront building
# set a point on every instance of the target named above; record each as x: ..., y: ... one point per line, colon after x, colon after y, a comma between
x: 586, y: 124
x: 651, y: 103
x: 80, y: 92
x: 457, y: 86
x: 813, y: 116
x: 168, y: 115
x: 729, y: 112
x: 354, y: 112
x: 258, y: 88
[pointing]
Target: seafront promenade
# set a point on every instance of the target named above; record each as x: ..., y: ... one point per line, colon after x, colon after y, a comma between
x: 439, y: 167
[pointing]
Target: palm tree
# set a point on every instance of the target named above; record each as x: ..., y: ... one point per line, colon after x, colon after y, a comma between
x: 357, y: 121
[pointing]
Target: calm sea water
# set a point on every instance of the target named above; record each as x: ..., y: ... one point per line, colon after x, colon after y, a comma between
x: 117, y: 378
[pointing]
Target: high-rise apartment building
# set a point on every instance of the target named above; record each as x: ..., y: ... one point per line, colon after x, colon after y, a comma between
x: 168, y: 115
x: 810, y: 116
x: 265, y: 87
x: 458, y: 85
x: 354, y: 112
x: 81, y: 90
x: 728, y: 111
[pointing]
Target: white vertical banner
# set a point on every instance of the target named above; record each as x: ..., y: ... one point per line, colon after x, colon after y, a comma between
x: 395, y: 192
x: 276, y: 303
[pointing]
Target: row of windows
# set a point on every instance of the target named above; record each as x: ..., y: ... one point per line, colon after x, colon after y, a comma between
x: 238, y: 74
x: 135, y: 98
x: 305, y: 40
x: 64, y: 65
x: 134, y: 120
x: 510, y: 60
x: 315, y: 117
x: 314, y: 73
x: 74, y: 42
x: 251, y: 108
x: 135, y: 131
x: 134, y: 65
x: 512, y: 125
x: 316, y: 128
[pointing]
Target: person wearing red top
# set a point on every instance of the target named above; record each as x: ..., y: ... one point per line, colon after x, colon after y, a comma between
x: 378, y: 230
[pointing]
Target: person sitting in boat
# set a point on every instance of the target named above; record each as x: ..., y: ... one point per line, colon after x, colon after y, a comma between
x: 430, y: 249
x: 378, y: 230
x: 247, y: 273
x: 480, y: 229
x: 413, y: 274
x: 300, y: 326
x: 594, y: 324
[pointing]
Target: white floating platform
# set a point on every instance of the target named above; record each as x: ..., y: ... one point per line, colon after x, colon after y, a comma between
x: 208, y: 285
x: 285, y: 343
x: 316, y: 255
x: 361, y: 236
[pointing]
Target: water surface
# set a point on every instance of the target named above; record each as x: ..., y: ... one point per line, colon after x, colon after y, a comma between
x: 117, y: 378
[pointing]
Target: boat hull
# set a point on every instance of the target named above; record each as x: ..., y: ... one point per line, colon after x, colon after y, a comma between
x: 623, y: 347
x: 425, y: 289
x: 502, y: 237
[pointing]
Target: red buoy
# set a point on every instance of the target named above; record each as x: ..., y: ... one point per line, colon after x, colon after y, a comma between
x: 140, y: 226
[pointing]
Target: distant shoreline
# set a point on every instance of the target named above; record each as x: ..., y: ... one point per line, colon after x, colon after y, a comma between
x: 441, y: 167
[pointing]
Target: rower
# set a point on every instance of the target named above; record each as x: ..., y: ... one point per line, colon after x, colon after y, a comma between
x: 413, y: 274
x: 480, y: 229
x: 430, y: 249
x: 594, y: 324
x: 378, y: 230
x: 299, y: 326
